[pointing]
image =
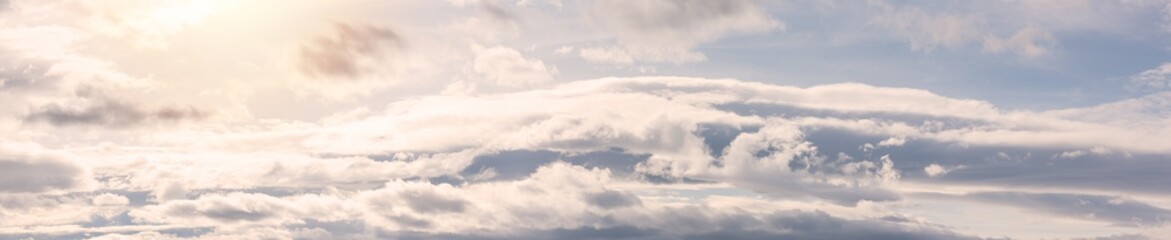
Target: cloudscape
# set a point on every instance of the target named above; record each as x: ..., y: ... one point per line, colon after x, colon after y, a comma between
x: 571, y: 119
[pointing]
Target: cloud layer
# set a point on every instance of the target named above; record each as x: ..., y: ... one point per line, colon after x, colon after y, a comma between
x: 622, y: 157
x: 488, y: 119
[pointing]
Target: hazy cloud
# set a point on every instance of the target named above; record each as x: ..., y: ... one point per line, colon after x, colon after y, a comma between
x: 38, y: 174
x: 109, y: 113
x: 1116, y: 210
x: 349, y: 52
x: 667, y: 31
x: 1156, y: 79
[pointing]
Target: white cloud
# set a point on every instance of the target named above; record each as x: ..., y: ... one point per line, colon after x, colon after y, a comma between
x: 376, y: 120
x: 1072, y: 154
x: 659, y: 117
x: 927, y: 31
x: 1155, y: 79
x: 146, y: 24
x: 556, y: 197
x: 507, y: 67
x: 109, y: 199
x: 935, y: 170
x: 564, y: 50
x: 606, y: 55
x: 892, y: 142
x: 334, y: 170
x: 1149, y: 112
x: 1028, y: 42
x: 1023, y: 28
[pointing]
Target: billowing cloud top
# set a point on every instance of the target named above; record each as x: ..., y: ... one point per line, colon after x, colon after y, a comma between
x: 562, y: 119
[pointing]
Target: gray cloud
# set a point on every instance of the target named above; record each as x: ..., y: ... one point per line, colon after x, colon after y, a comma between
x: 1116, y: 210
x: 496, y: 12
x: 225, y: 209
x: 1004, y: 165
x: 109, y: 113
x: 819, y: 225
x: 231, y: 213
x: 118, y: 234
x: 612, y: 199
x: 221, y: 211
x: 24, y: 74
x: 340, y: 55
x: 666, y: 31
x: 654, y: 16
x: 28, y: 174
x: 518, y: 164
x: 1008, y: 165
x: 430, y: 202
x: 1117, y: 237
x: 687, y: 225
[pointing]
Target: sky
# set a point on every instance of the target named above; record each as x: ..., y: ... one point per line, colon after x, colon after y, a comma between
x: 569, y: 119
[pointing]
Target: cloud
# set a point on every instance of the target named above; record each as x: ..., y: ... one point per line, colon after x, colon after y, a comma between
x: 777, y: 225
x: 24, y: 74
x: 791, y: 142
x: 1155, y: 79
x: 109, y: 199
x: 421, y: 198
x: 1144, y: 112
x: 564, y: 159
x: 507, y: 67
x: 667, y: 31
x: 215, y: 209
x: 606, y: 55
x: 489, y: 121
x: 1116, y: 210
x: 21, y: 175
x: 1027, y: 29
x: 926, y: 31
x: 935, y: 170
x: 492, y: 21
x: 142, y: 24
x: 109, y: 114
x: 24, y: 171
x: 613, y: 199
x: 1028, y: 42
x: 350, y: 52
x: 1119, y: 237
x: 558, y: 200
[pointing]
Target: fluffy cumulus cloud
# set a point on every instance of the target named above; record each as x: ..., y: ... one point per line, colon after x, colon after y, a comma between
x: 506, y: 67
x: 536, y: 120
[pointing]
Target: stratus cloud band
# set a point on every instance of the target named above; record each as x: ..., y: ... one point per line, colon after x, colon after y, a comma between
x: 628, y: 157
